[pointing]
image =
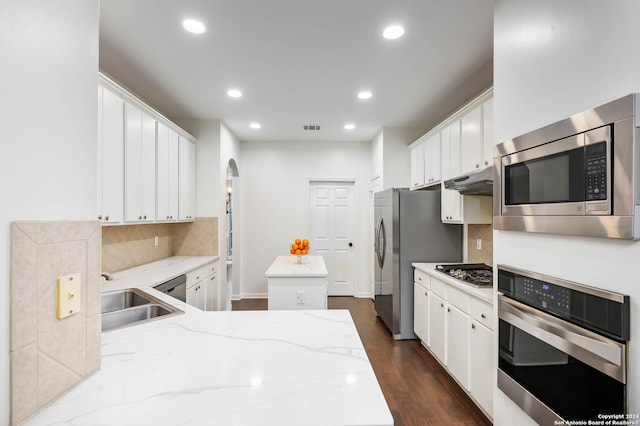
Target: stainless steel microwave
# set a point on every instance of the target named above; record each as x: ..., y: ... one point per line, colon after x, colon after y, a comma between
x: 578, y: 176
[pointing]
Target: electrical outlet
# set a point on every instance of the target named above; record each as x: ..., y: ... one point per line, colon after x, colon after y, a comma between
x: 300, y: 297
x: 479, y: 244
x: 155, y: 241
x: 68, y: 292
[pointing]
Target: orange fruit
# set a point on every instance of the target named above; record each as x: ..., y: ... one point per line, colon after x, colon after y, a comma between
x: 295, y: 246
x: 293, y: 251
x: 298, y: 251
x: 305, y: 243
x: 297, y: 240
x: 304, y: 251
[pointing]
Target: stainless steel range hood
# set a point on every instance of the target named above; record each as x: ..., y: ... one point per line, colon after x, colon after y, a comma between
x: 475, y: 183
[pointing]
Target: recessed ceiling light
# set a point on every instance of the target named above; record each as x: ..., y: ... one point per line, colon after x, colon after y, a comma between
x: 349, y: 126
x: 193, y: 26
x: 234, y: 93
x: 255, y: 125
x: 393, y: 32
x: 365, y: 94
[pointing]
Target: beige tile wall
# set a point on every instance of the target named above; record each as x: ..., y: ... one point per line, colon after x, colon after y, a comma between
x: 127, y: 246
x: 485, y: 232
x: 49, y: 356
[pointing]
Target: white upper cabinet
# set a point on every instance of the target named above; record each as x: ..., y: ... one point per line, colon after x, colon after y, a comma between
x: 167, y: 174
x: 432, y: 160
x: 111, y: 157
x: 471, y: 141
x: 187, y: 180
x: 487, y: 133
x: 146, y: 164
x: 417, y: 165
x: 426, y: 159
x: 140, y: 166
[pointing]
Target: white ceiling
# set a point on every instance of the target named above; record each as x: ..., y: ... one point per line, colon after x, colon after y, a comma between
x: 299, y: 61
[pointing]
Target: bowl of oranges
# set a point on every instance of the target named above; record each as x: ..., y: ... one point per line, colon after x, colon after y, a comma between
x: 300, y: 247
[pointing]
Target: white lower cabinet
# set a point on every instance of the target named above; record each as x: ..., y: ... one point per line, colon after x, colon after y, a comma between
x: 481, y: 348
x: 196, y: 295
x: 459, y: 334
x: 202, y: 287
x: 458, y: 345
x: 421, y: 312
x: 437, y: 327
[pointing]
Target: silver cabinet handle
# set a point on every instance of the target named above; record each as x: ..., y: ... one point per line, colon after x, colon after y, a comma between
x: 106, y: 217
x: 473, y: 326
x: 442, y: 305
x: 425, y: 293
x: 99, y: 217
x: 483, y: 316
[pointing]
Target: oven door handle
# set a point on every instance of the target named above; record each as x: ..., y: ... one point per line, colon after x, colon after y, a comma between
x: 601, y: 353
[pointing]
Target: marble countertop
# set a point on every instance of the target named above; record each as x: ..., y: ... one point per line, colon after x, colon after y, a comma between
x: 240, y: 368
x: 485, y: 294
x: 287, y: 266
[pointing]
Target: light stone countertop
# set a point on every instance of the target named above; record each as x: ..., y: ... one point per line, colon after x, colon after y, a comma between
x: 288, y: 266
x: 225, y: 368
x: 485, y: 294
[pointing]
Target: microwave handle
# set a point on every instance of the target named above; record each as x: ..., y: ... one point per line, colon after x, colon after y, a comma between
x: 603, y: 354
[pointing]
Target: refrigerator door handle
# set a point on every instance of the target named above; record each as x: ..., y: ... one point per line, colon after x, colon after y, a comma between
x: 377, y: 242
x: 383, y: 231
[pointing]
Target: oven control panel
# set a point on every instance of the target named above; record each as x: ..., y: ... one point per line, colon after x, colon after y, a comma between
x: 596, y: 172
x: 544, y: 295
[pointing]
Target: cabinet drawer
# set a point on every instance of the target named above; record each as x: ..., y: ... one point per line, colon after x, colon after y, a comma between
x: 421, y: 278
x: 482, y: 312
x: 459, y: 299
x: 439, y: 288
x: 200, y: 273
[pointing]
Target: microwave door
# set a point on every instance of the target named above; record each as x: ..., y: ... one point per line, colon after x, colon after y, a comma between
x: 547, y: 180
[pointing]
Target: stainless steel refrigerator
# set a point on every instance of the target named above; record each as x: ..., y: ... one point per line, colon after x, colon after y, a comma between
x: 407, y: 229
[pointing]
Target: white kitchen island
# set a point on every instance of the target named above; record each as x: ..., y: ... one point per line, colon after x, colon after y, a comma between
x: 294, y: 285
x: 225, y: 368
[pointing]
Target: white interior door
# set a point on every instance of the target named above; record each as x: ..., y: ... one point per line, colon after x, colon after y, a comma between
x: 332, y: 232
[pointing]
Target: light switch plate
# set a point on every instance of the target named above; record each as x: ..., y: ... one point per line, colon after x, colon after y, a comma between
x: 69, y: 296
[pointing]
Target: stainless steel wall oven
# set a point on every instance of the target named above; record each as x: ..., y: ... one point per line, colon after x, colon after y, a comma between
x: 562, y: 347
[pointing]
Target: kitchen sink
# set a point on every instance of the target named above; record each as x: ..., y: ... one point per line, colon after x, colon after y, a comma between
x: 118, y: 300
x: 124, y: 308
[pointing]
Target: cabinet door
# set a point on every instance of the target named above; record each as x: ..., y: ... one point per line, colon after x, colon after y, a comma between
x: 458, y: 326
x: 437, y: 326
x: 112, y: 158
x: 487, y: 133
x: 186, y: 191
x: 451, y: 206
x: 421, y: 312
x: 167, y: 174
x: 471, y: 141
x: 211, y: 302
x: 417, y: 165
x: 432, y: 159
x: 196, y: 295
x: 148, y: 169
x: 481, y: 366
x: 140, y: 166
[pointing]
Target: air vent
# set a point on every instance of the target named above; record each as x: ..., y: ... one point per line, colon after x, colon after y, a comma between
x: 311, y: 127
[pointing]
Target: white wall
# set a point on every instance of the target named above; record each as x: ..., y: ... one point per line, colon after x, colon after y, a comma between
x: 553, y: 59
x: 48, y: 110
x: 275, y: 178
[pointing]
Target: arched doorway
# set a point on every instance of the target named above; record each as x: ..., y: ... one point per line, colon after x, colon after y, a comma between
x: 232, y: 236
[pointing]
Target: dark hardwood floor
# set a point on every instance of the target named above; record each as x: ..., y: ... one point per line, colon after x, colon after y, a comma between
x: 417, y: 389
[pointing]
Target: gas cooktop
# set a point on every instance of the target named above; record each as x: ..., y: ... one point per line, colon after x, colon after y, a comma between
x: 475, y: 274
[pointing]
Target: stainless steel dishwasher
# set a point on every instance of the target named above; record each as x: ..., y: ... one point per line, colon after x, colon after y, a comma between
x: 176, y: 287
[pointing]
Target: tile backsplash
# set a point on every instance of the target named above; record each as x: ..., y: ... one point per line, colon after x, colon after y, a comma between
x: 49, y: 356
x: 485, y: 233
x: 127, y: 246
